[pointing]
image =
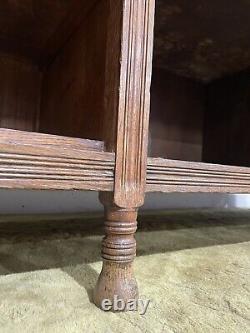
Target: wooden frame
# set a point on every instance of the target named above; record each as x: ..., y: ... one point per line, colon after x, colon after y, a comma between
x: 118, y: 166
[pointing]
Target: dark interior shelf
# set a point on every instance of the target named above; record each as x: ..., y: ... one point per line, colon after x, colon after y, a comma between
x: 200, y: 96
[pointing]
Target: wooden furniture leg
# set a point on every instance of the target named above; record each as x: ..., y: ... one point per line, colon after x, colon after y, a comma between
x: 118, y: 252
x: 128, y: 73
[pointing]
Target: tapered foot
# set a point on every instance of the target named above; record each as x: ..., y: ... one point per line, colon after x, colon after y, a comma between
x: 117, y: 281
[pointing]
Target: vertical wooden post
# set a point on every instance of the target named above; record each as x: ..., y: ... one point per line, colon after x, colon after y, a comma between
x: 127, y: 101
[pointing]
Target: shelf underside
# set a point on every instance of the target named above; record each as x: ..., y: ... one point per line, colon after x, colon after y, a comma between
x: 42, y: 161
x: 36, y: 30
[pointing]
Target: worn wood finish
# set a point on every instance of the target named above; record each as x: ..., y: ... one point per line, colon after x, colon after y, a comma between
x: 134, y: 100
x: 14, y: 137
x: 128, y: 78
x: 177, y: 176
x: 39, y: 161
x: 118, y: 252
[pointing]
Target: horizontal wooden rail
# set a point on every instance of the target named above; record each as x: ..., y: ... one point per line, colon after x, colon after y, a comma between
x: 8, y: 136
x: 165, y: 175
x: 42, y: 161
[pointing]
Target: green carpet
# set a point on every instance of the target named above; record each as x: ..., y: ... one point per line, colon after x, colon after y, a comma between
x: 194, y: 266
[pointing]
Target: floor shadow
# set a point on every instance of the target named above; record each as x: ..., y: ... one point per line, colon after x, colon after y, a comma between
x: 38, y: 245
x: 85, y: 276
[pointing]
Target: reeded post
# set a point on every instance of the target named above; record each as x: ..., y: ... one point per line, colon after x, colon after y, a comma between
x: 129, y: 52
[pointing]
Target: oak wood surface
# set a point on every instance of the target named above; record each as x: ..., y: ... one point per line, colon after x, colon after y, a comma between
x: 118, y: 252
x: 47, y: 163
x: 19, y: 93
x: 112, y: 73
x: 20, y: 138
x: 77, y: 12
x: 132, y: 102
x: 165, y: 175
x: 176, y: 117
x: 127, y: 94
x: 72, y: 101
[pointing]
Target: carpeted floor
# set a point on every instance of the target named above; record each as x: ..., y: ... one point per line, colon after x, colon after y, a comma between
x: 194, y: 266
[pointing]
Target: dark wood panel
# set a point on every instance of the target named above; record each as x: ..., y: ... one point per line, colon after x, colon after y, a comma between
x: 37, y: 29
x: 19, y: 93
x: 203, y: 40
x: 73, y: 85
x: 76, y: 14
x: 176, y: 120
x: 226, y: 135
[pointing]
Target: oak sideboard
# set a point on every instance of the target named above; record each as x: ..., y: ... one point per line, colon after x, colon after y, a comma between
x: 124, y: 97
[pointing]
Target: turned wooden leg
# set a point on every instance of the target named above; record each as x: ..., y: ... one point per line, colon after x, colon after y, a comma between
x: 118, y: 252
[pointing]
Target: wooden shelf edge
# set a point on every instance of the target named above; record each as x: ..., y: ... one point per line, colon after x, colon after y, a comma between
x: 9, y: 136
x: 165, y: 175
x: 43, y: 161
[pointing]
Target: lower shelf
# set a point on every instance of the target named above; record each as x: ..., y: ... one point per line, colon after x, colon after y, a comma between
x: 165, y: 175
x: 42, y: 161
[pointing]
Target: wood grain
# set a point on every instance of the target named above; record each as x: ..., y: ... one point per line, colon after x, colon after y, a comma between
x: 19, y: 93
x: 47, y: 163
x: 112, y: 73
x: 77, y: 12
x: 134, y: 100
x: 72, y: 101
x: 15, y: 137
x: 118, y: 252
x: 128, y: 77
x: 38, y: 29
x: 165, y: 175
x: 176, y: 117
